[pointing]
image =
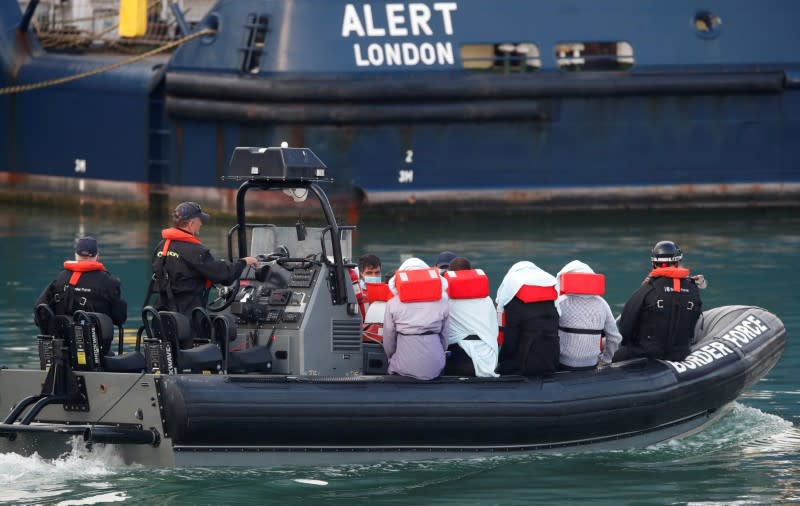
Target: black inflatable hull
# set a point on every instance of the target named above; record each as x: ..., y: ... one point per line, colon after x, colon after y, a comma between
x: 457, y: 414
x: 256, y: 420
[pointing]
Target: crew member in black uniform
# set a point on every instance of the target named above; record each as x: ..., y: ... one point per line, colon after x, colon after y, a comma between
x: 183, y: 268
x: 659, y: 318
x: 86, y: 285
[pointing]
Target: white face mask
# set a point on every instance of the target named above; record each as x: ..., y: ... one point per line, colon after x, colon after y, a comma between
x: 372, y: 279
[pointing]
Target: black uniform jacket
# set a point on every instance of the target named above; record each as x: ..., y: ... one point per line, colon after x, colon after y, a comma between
x: 187, y: 271
x: 658, y: 321
x: 530, y: 339
x: 96, y: 291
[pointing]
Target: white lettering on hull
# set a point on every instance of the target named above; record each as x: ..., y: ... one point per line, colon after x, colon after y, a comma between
x: 742, y: 333
x: 400, y: 20
x: 404, y: 53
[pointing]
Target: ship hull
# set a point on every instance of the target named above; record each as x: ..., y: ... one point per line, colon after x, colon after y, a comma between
x: 701, y: 121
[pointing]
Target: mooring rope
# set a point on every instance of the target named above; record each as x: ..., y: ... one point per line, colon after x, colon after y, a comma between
x: 106, y: 68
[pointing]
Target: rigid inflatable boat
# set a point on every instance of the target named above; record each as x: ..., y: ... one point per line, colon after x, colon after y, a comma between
x: 277, y: 371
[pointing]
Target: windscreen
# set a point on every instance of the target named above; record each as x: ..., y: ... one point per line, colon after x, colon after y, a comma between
x: 267, y: 239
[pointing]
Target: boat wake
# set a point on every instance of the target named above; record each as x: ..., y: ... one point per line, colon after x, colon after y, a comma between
x: 745, y: 437
x: 34, y: 479
x: 744, y: 429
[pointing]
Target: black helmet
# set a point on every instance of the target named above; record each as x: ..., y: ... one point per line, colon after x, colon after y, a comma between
x: 666, y: 252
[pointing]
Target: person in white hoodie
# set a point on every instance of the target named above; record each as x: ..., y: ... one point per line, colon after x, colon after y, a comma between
x: 473, y: 330
x: 584, y: 319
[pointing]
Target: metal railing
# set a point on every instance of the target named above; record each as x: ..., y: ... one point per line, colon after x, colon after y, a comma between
x: 93, y: 25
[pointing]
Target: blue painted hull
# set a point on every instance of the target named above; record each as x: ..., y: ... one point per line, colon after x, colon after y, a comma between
x: 700, y: 118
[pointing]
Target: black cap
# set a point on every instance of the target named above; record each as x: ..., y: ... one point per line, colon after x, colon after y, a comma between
x: 188, y: 210
x: 86, y: 247
x: 444, y: 259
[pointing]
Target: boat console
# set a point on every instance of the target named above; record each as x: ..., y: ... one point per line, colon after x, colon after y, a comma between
x: 299, y: 302
x: 287, y: 303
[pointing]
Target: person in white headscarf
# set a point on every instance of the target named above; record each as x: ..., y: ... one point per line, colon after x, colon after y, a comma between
x: 530, y: 333
x: 415, y: 333
x: 584, y: 318
x: 473, y: 333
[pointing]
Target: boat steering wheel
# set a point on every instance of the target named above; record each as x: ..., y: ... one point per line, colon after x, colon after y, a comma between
x: 225, y: 295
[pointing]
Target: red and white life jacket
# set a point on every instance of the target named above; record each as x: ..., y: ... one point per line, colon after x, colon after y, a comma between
x: 378, y: 292
x: 359, y: 293
x: 501, y: 322
x: 467, y: 284
x: 418, y: 285
x: 582, y: 283
x: 377, y: 296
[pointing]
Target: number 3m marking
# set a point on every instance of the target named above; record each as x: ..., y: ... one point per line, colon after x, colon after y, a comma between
x: 405, y: 176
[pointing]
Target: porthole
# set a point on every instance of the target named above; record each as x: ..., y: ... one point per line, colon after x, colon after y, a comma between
x: 505, y: 57
x: 594, y: 56
x: 706, y: 24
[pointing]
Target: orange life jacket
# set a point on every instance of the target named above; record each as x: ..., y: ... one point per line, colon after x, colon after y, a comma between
x: 176, y: 234
x: 467, y: 284
x: 676, y: 273
x: 79, y: 267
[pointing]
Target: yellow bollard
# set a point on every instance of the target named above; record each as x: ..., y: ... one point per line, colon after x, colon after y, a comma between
x: 132, y: 18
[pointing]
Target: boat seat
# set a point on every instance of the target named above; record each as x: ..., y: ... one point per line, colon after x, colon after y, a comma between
x: 255, y: 359
x: 159, y: 353
x: 51, y: 326
x: 133, y: 361
x: 202, y: 329
x: 176, y: 330
x: 44, y: 318
x: 127, y: 362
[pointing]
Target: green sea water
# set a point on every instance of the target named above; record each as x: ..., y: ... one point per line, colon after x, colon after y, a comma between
x: 750, y: 456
